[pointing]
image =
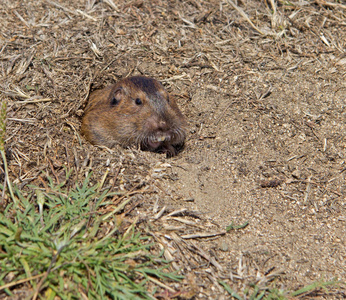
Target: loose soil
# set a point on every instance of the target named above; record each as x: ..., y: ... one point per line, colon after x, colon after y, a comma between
x: 266, y: 107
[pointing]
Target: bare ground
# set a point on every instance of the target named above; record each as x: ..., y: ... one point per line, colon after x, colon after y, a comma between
x: 266, y: 106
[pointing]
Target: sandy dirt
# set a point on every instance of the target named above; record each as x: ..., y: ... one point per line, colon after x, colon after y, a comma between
x: 266, y: 107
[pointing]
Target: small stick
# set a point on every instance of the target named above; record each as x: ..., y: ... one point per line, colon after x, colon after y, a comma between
x: 307, y: 190
x: 320, y: 185
x: 243, y: 14
x: 53, y: 261
x: 202, y: 235
x: 33, y: 101
x: 8, y: 285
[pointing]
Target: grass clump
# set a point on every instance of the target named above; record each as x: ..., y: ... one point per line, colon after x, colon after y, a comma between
x: 52, y: 244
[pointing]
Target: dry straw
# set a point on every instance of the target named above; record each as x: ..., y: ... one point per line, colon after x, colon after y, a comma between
x: 3, y: 110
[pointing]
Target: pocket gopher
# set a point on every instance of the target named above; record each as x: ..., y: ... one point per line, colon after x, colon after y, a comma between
x: 135, y: 111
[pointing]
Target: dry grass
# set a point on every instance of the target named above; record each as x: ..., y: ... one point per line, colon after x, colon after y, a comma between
x: 263, y: 87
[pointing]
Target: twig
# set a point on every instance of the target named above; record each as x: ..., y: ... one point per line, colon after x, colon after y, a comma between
x: 53, y: 261
x: 330, y: 4
x: 160, y: 283
x: 3, y: 114
x: 244, y: 15
x: 8, y: 285
x: 320, y: 185
x: 307, y: 190
x: 202, y: 235
x: 33, y: 101
x: 3, y: 155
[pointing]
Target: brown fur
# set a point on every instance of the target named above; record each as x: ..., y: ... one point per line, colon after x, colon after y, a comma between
x: 135, y: 110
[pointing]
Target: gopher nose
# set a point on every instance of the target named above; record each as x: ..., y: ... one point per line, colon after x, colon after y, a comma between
x: 162, y: 125
x: 155, y: 124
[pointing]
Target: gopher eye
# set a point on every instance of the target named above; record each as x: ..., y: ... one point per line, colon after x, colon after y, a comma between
x: 138, y: 101
x: 114, y: 101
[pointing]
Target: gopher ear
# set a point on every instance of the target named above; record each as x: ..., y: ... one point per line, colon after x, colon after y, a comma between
x: 116, y: 96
